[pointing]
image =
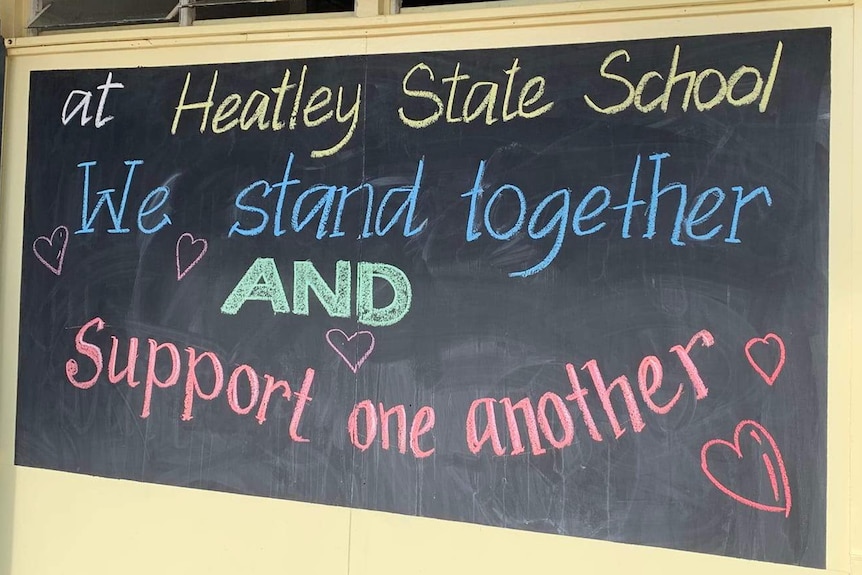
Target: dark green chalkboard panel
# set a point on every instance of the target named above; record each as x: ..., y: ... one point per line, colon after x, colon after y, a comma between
x: 572, y: 289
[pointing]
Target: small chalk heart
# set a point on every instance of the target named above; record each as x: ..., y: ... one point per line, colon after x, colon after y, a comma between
x: 768, y: 378
x: 51, y: 251
x: 362, y: 348
x: 187, y: 245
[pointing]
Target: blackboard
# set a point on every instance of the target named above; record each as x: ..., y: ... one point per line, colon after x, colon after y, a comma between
x: 575, y: 289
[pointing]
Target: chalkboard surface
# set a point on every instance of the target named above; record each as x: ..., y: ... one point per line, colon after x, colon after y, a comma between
x: 575, y: 289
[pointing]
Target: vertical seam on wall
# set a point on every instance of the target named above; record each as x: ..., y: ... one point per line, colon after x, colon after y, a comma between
x: 349, y: 537
x: 855, y: 176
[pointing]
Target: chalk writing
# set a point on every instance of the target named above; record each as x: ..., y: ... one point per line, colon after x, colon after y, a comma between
x: 80, y: 100
x: 559, y: 212
x: 694, y: 86
x: 522, y: 287
x: 318, y: 109
x: 649, y: 382
x: 151, y: 204
x: 372, y: 424
x: 480, y: 100
x: 323, y: 197
x: 262, y: 282
x: 241, y: 375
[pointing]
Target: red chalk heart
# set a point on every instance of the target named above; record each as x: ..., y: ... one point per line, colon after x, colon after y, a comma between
x: 771, y: 459
x: 768, y: 378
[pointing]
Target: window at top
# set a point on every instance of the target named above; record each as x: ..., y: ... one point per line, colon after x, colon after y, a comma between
x: 418, y: 3
x: 69, y: 14
x: 216, y: 9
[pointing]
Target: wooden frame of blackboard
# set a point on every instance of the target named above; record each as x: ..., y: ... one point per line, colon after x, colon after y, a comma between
x: 74, y: 511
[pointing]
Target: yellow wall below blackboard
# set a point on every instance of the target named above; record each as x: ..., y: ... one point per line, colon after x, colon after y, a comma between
x: 59, y: 523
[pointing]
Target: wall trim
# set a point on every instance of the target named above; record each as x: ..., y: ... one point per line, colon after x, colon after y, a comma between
x: 404, y: 24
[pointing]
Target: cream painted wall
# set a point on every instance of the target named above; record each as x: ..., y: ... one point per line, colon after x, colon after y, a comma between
x: 58, y: 523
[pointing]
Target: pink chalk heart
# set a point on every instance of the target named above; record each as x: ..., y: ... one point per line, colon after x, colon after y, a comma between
x: 771, y: 377
x: 51, y: 251
x: 772, y: 464
x: 354, y: 356
x: 190, y: 250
